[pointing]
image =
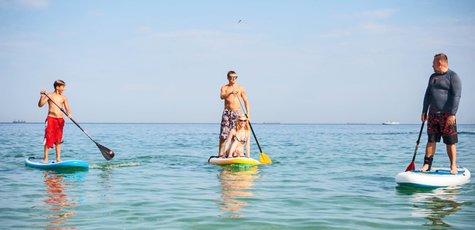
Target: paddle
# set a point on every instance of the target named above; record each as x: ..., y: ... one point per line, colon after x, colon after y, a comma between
x: 264, y: 159
x: 412, y: 166
x: 107, y: 153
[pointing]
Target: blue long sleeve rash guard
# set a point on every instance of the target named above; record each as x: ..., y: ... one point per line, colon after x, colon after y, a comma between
x: 443, y: 93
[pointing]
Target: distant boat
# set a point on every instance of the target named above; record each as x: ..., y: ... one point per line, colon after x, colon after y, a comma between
x: 390, y: 123
x: 19, y: 121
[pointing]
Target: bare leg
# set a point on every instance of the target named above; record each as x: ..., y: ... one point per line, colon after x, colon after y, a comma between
x: 221, y: 145
x: 452, y: 152
x: 45, y: 157
x: 232, y: 149
x: 430, y: 150
x: 58, y: 152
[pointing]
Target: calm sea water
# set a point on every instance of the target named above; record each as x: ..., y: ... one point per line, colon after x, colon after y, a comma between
x: 323, y: 176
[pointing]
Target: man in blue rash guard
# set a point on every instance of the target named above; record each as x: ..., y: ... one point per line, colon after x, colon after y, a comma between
x: 441, y: 99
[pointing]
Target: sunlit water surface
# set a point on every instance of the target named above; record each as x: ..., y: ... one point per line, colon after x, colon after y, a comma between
x: 323, y: 176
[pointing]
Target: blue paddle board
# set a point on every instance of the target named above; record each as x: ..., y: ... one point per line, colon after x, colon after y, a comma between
x: 63, y: 165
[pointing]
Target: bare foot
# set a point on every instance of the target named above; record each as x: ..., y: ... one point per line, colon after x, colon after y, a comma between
x: 45, y: 161
x: 453, y: 170
x: 58, y: 160
x: 424, y: 168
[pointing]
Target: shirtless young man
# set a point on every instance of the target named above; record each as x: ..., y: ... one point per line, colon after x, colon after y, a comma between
x: 54, y: 121
x: 231, y: 94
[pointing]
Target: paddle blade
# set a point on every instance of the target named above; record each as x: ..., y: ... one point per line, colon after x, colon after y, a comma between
x: 411, y: 167
x: 265, y: 159
x: 107, y: 153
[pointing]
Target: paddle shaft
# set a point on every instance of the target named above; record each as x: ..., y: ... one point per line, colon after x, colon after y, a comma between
x: 62, y: 110
x: 418, y: 141
x: 250, y: 125
x: 254, y: 134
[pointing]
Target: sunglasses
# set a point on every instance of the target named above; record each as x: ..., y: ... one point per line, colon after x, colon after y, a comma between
x: 242, y: 120
x: 233, y: 77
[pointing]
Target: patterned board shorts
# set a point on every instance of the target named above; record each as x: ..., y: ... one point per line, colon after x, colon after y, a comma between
x: 437, y: 127
x: 228, y: 122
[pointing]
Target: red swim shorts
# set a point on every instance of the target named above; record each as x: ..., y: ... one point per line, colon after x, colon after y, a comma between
x: 53, y: 131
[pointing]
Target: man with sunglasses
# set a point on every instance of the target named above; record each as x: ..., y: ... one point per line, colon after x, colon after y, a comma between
x: 231, y: 93
x: 441, y: 100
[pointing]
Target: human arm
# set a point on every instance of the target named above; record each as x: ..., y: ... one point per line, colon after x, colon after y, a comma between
x: 222, y: 95
x: 454, y: 96
x: 43, y: 99
x: 66, y: 107
x: 428, y: 97
x: 426, y: 101
x: 246, y: 103
x: 225, y: 94
x: 451, y: 120
x: 423, y: 117
x: 455, y: 93
x: 227, y: 142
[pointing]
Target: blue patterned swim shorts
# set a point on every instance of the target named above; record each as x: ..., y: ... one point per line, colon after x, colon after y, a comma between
x: 228, y: 122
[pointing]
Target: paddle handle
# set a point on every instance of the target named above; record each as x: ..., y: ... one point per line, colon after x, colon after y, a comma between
x: 62, y: 110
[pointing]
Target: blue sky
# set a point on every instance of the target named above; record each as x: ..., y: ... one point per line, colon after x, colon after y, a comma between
x: 300, y: 61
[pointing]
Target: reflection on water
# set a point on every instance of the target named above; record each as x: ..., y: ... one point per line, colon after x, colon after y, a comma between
x: 236, y: 182
x: 433, y: 204
x: 57, y: 200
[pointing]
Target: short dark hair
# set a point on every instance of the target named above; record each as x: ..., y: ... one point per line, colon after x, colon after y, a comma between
x: 231, y: 72
x: 58, y: 83
x: 443, y: 57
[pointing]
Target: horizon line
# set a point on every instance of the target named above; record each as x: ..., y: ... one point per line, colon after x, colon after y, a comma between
x: 263, y: 123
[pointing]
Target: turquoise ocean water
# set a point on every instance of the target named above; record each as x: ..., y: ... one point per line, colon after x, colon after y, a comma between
x: 323, y: 177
